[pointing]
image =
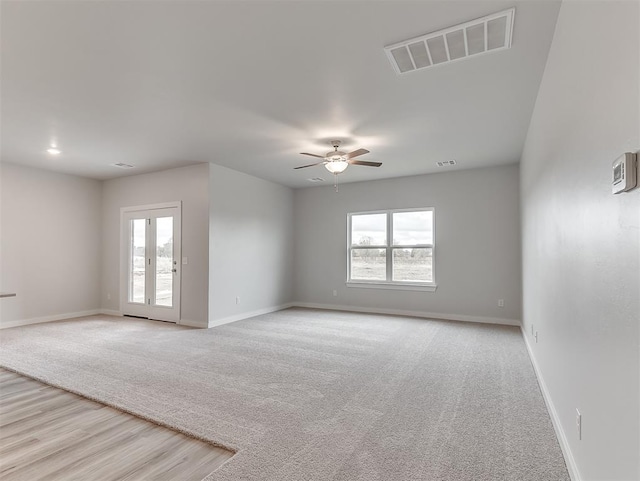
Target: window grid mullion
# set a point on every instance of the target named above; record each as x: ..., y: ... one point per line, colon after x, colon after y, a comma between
x: 389, y: 246
x: 389, y: 251
x: 413, y: 246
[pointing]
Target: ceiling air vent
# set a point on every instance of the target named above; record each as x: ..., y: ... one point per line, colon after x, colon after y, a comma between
x: 316, y: 179
x: 483, y: 35
x: 446, y: 163
x: 123, y: 166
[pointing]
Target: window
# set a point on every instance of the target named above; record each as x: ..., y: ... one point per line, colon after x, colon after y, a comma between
x: 392, y: 248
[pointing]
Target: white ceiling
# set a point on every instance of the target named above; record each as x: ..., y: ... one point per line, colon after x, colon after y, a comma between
x: 249, y: 85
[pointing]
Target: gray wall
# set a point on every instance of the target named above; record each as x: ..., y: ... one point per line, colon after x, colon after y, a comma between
x: 187, y: 184
x: 51, y: 244
x: 251, y: 245
x: 581, y: 244
x: 477, y: 257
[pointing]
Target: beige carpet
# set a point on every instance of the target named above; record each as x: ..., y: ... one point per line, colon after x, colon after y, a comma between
x: 316, y: 395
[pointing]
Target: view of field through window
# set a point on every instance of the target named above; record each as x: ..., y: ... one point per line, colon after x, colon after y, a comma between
x: 138, y: 255
x: 163, y: 261
x: 409, y: 245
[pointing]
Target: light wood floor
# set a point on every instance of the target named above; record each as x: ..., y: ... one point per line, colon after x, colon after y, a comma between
x: 48, y: 433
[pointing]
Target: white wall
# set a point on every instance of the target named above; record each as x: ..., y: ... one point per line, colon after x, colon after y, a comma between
x: 187, y: 184
x: 477, y: 257
x: 251, y: 245
x: 581, y: 244
x: 51, y: 244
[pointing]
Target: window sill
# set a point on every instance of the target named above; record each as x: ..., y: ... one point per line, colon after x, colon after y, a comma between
x: 392, y: 286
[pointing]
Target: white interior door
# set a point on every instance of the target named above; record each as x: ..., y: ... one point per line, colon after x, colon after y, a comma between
x: 150, y: 262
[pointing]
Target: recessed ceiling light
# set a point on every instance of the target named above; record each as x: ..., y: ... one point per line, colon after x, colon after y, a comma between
x: 54, y: 151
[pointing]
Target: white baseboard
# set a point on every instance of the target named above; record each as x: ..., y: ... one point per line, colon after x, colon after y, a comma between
x: 111, y: 312
x: 572, y: 467
x: 190, y: 323
x: 400, y: 312
x: 57, y: 317
x: 246, y: 315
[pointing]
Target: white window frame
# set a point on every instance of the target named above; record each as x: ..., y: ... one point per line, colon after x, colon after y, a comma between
x: 389, y: 283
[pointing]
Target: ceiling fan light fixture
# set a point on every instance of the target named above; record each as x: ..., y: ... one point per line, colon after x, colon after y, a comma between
x: 336, y: 166
x: 337, y: 161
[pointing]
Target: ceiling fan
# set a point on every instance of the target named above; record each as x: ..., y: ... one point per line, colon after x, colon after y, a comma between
x: 337, y: 161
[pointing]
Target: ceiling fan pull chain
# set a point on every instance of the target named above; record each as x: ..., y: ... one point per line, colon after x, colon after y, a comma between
x: 335, y: 181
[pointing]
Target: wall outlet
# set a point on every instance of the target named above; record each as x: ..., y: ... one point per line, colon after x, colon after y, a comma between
x: 500, y: 302
x: 108, y: 296
x: 579, y: 424
x: 237, y: 299
x: 335, y: 293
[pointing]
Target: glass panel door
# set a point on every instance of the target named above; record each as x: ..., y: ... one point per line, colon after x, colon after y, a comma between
x: 150, y: 249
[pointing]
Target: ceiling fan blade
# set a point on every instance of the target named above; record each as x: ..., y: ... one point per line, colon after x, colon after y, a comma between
x: 310, y: 165
x: 363, y: 162
x: 312, y: 155
x: 356, y: 153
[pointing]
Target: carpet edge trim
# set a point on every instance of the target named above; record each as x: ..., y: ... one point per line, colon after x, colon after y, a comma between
x: 117, y: 407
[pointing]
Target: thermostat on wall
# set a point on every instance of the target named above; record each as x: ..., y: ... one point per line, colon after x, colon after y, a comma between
x: 624, y: 173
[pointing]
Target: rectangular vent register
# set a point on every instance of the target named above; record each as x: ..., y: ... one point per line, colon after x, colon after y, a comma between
x: 483, y: 35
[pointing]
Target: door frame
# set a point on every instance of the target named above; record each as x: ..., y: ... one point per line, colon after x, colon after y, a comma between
x: 124, y: 252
